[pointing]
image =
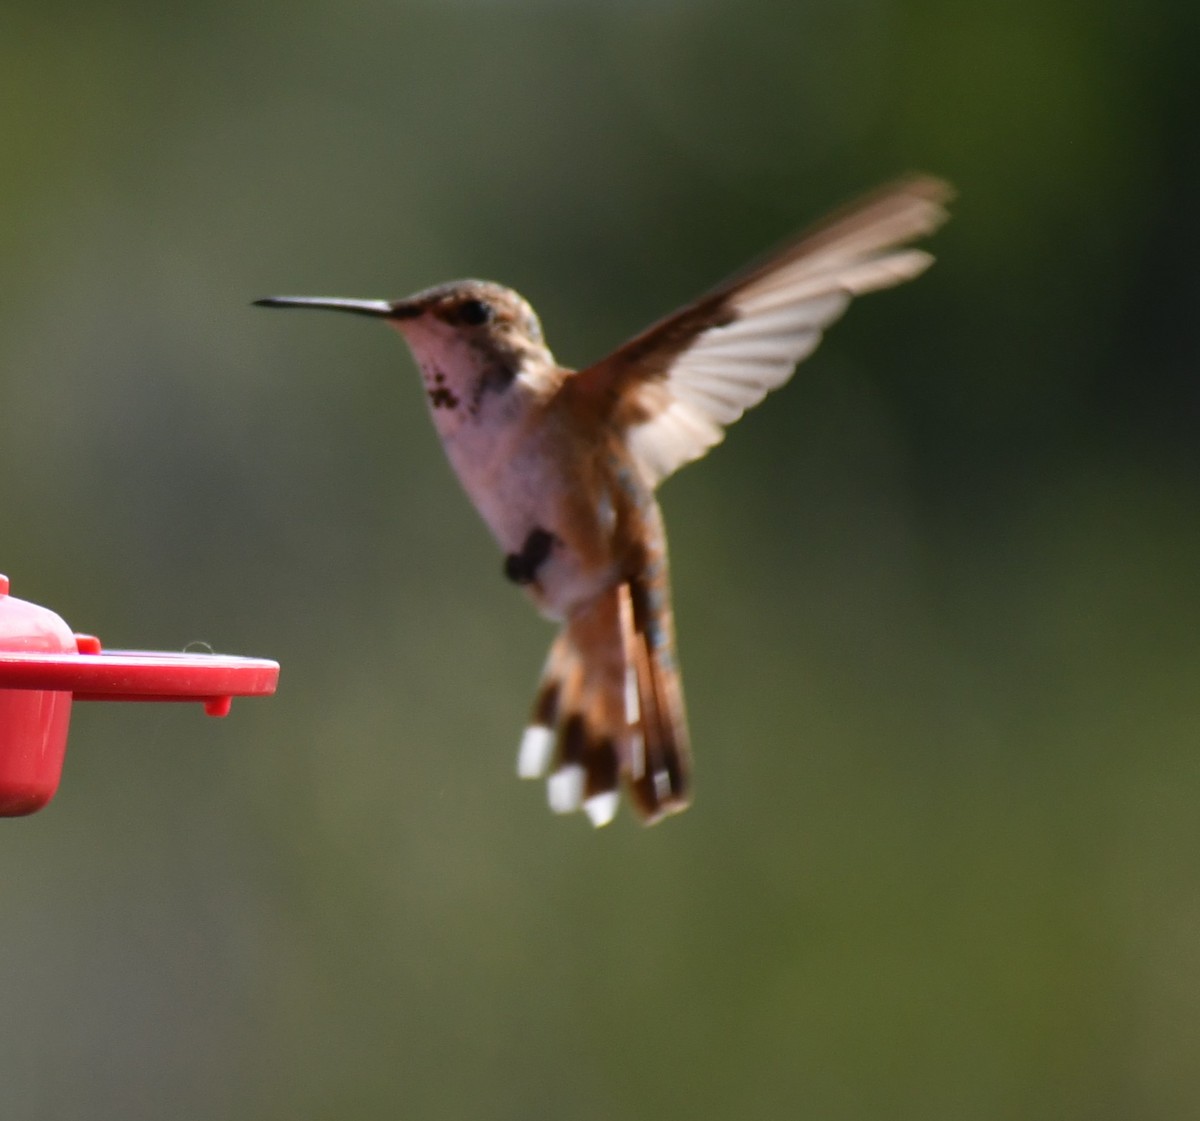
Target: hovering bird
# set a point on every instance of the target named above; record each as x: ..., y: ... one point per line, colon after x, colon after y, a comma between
x: 563, y: 466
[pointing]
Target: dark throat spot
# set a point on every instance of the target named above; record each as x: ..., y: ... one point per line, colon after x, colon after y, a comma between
x: 440, y: 397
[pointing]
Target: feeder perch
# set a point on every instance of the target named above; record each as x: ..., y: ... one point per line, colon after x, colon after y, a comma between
x: 44, y: 666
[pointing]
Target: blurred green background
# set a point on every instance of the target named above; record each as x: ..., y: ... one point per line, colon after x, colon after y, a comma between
x: 937, y: 599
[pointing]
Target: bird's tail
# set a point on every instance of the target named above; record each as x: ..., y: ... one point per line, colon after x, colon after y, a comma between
x: 609, y: 710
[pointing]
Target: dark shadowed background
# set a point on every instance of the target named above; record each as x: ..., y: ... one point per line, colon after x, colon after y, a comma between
x: 937, y: 599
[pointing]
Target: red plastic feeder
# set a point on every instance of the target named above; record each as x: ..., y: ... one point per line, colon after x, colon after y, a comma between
x: 44, y: 665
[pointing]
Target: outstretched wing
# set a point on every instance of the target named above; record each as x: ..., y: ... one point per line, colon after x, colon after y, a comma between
x: 677, y: 385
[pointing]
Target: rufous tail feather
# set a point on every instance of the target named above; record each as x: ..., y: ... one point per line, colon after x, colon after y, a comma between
x: 609, y: 709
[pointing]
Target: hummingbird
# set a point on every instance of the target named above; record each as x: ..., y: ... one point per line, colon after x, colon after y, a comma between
x: 563, y: 466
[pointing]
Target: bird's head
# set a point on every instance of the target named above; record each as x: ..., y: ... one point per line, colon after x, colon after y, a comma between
x: 472, y: 339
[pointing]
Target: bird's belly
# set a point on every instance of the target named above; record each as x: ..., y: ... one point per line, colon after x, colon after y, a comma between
x: 543, y: 514
x: 566, y: 581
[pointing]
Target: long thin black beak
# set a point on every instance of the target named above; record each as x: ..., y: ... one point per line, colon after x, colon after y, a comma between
x: 379, y: 308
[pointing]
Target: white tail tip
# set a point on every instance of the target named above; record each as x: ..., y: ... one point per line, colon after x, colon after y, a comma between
x: 564, y: 789
x: 602, y: 808
x: 533, y: 756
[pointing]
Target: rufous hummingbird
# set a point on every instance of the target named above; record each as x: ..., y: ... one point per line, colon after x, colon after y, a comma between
x: 563, y: 467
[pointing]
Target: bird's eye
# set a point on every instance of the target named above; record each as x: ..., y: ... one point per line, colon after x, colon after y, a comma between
x: 474, y: 312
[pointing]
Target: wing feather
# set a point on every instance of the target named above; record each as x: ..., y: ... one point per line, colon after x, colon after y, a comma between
x: 676, y: 386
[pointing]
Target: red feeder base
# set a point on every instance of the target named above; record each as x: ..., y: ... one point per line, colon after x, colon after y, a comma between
x: 44, y: 666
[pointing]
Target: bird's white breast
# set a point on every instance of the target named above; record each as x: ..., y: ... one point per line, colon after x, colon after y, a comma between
x: 523, y: 477
x: 506, y: 475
